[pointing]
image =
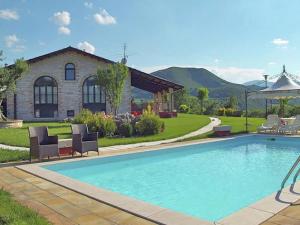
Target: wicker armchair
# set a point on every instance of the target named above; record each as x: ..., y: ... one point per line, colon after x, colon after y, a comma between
x: 82, y: 140
x: 41, y: 144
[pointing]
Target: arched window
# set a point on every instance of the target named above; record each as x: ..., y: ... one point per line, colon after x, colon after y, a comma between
x: 69, y: 71
x: 93, y: 95
x: 45, y: 97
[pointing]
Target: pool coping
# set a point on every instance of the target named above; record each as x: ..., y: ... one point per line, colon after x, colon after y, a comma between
x: 253, y: 214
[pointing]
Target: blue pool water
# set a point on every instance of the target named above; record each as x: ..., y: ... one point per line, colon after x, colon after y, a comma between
x: 208, y: 181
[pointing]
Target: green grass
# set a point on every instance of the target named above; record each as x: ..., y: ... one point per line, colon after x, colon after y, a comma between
x: 9, y: 156
x: 175, y: 127
x: 13, y: 213
x: 237, y: 124
x: 19, y: 136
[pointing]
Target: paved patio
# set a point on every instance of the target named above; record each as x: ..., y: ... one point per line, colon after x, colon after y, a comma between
x: 60, y: 205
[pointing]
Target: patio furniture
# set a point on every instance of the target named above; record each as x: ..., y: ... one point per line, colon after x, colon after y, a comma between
x: 82, y: 140
x: 222, y: 130
x: 41, y: 144
x: 271, y: 125
x: 291, y: 128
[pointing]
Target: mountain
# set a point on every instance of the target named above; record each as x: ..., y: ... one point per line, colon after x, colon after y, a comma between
x: 193, y: 78
x: 259, y: 83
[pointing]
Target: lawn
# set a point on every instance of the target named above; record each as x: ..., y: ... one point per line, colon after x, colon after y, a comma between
x: 237, y: 124
x: 9, y: 155
x: 13, y: 213
x: 175, y: 127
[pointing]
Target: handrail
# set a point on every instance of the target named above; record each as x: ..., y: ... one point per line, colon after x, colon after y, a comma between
x: 290, y: 172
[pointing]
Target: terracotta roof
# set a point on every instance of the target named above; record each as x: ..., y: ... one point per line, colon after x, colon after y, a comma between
x: 139, y: 79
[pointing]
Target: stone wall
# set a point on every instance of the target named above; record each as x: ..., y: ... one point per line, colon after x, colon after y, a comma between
x: 69, y: 91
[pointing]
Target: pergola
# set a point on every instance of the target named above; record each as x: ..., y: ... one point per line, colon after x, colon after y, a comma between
x: 284, y: 88
x: 162, y: 89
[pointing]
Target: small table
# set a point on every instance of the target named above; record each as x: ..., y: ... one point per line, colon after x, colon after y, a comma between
x: 222, y: 130
x: 65, y: 147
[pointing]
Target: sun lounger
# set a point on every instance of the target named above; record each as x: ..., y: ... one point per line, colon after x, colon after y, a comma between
x: 271, y: 125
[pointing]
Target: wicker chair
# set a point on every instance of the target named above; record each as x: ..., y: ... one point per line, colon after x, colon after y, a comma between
x: 82, y: 140
x: 41, y: 144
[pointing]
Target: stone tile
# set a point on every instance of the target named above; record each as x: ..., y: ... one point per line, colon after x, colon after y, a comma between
x: 70, y: 211
x: 55, y: 202
x: 268, y: 223
x: 282, y: 220
x: 92, y: 219
x: 246, y: 216
x: 104, y: 210
x: 273, y: 205
x: 293, y: 211
x: 169, y: 217
x: 138, y: 221
x: 46, y: 185
x: 76, y: 198
x: 57, y: 219
x: 38, y: 207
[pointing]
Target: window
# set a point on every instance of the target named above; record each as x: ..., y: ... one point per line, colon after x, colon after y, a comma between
x: 45, y: 97
x: 69, y: 71
x: 93, y: 95
x: 70, y: 113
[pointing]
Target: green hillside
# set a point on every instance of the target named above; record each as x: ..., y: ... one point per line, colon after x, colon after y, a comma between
x: 193, y: 78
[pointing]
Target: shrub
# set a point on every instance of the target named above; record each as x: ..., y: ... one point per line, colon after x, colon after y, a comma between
x: 184, y: 108
x: 221, y: 112
x: 83, y: 116
x: 98, y: 122
x: 125, y: 129
x: 149, y: 123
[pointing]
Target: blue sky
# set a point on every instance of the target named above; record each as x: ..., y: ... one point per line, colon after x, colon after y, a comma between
x: 238, y: 40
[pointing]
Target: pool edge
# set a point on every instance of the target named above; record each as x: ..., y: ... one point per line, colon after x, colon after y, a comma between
x: 253, y: 214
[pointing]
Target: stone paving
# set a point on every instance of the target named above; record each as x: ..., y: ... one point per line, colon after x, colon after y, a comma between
x: 288, y: 216
x: 60, y: 205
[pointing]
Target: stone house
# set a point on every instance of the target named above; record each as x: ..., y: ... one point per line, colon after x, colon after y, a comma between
x: 61, y: 83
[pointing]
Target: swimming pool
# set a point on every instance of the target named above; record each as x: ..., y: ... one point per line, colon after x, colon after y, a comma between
x: 208, y: 180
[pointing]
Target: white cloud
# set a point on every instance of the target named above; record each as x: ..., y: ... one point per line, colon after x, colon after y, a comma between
x: 8, y: 14
x: 86, y: 46
x: 64, y: 30
x: 103, y: 17
x: 216, y: 60
x: 232, y: 74
x: 88, y: 5
x: 271, y: 63
x: 62, y: 18
x: 11, y: 40
x: 280, y: 42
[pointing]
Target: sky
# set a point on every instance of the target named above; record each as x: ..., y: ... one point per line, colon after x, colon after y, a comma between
x: 239, y: 40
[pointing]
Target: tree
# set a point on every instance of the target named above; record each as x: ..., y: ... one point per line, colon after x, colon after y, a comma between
x: 180, y: 97
x: 282, y: 103
x: 233, y: 102
x: 113, y: 81
x: 202, y: 95
x: 8, y: 77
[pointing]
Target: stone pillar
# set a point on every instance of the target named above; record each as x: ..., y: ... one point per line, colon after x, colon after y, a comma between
x: 171, y: 99
x: 159, y: 101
